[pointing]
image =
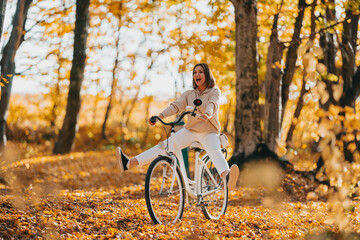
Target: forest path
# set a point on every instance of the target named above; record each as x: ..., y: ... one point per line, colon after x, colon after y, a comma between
x: 83, y: 195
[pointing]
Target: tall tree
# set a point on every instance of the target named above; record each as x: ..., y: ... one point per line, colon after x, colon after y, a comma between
x: 8, y: 62
x: 113, y: 88
x: 272, y: 85
x: 2, y: 15
x: 247, y: 113
x: 327, y: 41
x: 114, y: 77
x: 348, y: 51
x: 291, y: 57
x: 67, y: 133
x: 303, y: 90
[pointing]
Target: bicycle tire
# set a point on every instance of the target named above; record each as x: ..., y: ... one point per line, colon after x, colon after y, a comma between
x: 162, y: 205
x: 214, y: 205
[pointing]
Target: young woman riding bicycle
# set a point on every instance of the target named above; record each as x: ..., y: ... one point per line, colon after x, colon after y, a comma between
x: 204, y: 129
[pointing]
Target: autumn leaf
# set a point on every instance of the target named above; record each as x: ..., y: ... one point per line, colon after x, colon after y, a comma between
x: 318, y: 51
x: 321, y: 68
x: 5, y: 80
x: 337, y: 91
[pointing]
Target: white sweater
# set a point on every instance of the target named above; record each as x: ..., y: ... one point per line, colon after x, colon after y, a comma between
x: 210, y: 107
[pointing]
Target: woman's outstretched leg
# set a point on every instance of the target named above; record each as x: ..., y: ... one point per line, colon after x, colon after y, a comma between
x: 124, y: 162
x: 144, y: 158
x: 181, y: 139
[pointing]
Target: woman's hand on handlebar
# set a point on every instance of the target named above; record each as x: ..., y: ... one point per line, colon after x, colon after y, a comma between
x: 152, y: 120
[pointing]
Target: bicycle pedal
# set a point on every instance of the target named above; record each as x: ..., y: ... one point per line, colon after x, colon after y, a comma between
x: 205, y: 203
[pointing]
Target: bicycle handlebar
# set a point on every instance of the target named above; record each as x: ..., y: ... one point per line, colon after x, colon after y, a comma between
x: 153, y: 118
x: 197, y: 102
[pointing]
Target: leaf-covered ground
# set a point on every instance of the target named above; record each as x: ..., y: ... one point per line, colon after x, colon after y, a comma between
x: 83, y: 196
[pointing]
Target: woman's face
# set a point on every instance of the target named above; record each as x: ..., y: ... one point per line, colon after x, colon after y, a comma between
x: 199, y: 76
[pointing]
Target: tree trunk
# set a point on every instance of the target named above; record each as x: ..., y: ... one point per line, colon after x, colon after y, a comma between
x: 349, y: 72
x: 225, y: 127
x: 348, y: 53
x: 56, y: 95
x: 347, y: 46
x: 291, y: 57
x: 148, y: 101
x: 95, y: 104
x: 350, y: 29
x: 68, y: 130
x: 131, y: 106
x: 272, y: 122
x: 113, y: 88
x: 299, y: 106
x: 327, y: 42
x: 354, y: 92
x: 303, y: 90
x: 8, y: 63
x: 55, y: 105
x: 2, y: 15
x: 354, y: 29
x: 247, y: 113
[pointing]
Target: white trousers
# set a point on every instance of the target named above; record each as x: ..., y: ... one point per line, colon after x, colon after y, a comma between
x: 182, y: 139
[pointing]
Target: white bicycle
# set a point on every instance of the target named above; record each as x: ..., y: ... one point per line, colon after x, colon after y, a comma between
x: 167, y: 183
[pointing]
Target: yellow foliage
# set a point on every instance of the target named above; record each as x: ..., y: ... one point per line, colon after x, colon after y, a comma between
x: 311, y: 76
x: 321, y: 87
x: 321, y: 68
x: 318, y: 51
x: 352, y: 147
x: 332, y: 77
x: 309, y: 62
x: 325, y: 97
x: 337, y: 91
x: 334, y: 110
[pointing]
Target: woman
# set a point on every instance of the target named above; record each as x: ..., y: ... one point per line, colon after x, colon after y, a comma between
x: 204, y: 129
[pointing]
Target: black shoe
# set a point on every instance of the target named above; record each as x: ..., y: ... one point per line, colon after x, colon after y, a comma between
x: 122, y: 159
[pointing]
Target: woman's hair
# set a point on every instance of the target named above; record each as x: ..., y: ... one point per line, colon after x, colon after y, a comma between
x: 209, y: 78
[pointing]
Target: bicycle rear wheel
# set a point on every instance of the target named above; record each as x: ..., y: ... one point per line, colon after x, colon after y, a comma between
x: 214, y: 191
x: 165, y: 205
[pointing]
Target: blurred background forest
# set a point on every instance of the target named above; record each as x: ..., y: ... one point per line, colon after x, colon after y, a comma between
x: 139, y: 57
x: 302, y: 85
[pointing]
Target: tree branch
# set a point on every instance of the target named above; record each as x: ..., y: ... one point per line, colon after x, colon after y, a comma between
x: 321, y: 30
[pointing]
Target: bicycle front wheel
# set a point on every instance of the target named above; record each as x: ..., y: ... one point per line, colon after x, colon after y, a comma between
x: 164, y: 192
x: 214, y: 191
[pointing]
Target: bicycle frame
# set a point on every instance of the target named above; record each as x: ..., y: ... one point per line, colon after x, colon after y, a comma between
x: 177, y: 160
x: 208, y: 189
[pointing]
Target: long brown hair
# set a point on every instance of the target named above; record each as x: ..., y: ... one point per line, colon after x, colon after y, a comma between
x: 209, y: 78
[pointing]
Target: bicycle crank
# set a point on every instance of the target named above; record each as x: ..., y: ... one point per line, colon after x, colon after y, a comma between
x: 205, y: 203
